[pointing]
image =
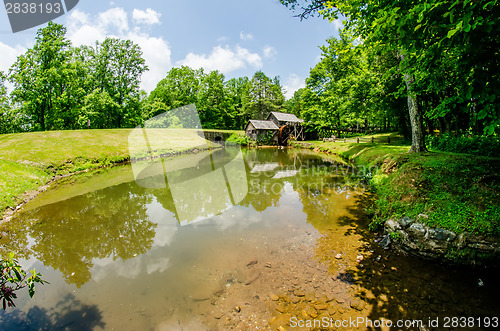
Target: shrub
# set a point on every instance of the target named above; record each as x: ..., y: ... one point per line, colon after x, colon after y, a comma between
x: 240, y: 139
x: 476, y: 145
x: 14, y: 278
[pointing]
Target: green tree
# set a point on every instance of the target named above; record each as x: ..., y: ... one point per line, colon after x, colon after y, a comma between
x: 212, y: 102
x: 41, y: 77
x: 236, y: 88
x: 115, y: 67
x: 263, y: 96
x: 179, y: 88
x: 6, y: 117
x: 439, y: 46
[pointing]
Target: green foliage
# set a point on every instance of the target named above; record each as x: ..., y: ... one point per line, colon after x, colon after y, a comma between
x: 14, y: 278
x: 57, y: 86
x: 396, y: 236
x: 265, y: 139
x: 240, y: 139
x: 443, y: 56
x: 113, y: 70
x: 458, y: 193
x: 476, y: 145
x: 221, y: 104
x: 263, y: 96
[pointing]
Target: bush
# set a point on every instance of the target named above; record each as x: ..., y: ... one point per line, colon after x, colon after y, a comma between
x: 13, y: 278
x: 476, y: 145
x: 240, y: 139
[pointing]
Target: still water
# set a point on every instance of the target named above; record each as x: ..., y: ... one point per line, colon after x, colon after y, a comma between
x: 260, y: 239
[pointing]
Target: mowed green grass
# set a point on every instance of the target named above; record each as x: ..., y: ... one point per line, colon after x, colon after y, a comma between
x: 29, y: 160
x: 56, y: 147
x: 17, y: 178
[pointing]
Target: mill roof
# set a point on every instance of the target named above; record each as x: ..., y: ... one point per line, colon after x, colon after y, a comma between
x: 264, y: 125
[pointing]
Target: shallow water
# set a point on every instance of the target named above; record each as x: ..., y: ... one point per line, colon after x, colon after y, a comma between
x: 257, y: 240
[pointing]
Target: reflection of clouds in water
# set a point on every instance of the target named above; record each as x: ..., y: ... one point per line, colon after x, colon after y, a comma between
x: 236, y: 217
x: 263, y: 167
x: 285, y: 174
x: 288, y: 189
x: 130, y: 269
x: 166, y: 229
x: 29, y: 263
x: 166, y: 224
x: 159, y: 266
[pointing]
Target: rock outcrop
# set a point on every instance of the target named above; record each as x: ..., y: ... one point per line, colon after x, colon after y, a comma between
x: 421, y: 240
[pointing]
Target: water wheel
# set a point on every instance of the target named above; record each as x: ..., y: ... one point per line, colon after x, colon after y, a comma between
x: 284, y: 134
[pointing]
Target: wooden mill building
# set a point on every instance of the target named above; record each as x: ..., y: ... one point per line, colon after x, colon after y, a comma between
x: 280, y: 125
x: 256, y: 129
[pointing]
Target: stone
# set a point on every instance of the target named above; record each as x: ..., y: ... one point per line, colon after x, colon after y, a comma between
x: 418, y: 231
x: 274, y: 297
x: 357, y: 305
x: 462, y: 239
x: 405, y: 222
x: 442, y: 235
x: 392, y: 225
x: 311, y: 311
x: 321, y: 306
x: 299, y: 293
x: 252, y: 263
x: 252, y: 278
x: 385, y: 242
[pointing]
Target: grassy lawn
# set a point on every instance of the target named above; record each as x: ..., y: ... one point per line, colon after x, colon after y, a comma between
x: 17, y: 178
x: 459, y: 192
x: 29, y: 160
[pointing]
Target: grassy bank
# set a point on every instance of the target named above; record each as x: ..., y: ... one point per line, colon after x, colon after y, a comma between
x: 30, y: 160
x: 458, y: 192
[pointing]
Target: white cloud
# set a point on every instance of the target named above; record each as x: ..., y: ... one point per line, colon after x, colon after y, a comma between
x: 148, y: 17
x: 269, y: 51
x: 9, y: 56
x: 86, y: 30
x: 292, y: 84
x: 223, y: 59
x: 156, y: 52
x: 114, y: 18
x: 246, y: 36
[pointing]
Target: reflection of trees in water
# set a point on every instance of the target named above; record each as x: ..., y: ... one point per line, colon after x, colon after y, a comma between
x: 263, y: 192
x: 68, y: 314
x: 316, y: 181
x: 67, y: 236
x: 113, y: 222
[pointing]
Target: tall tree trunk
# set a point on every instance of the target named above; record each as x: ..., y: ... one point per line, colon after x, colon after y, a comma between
x: 416, y: 121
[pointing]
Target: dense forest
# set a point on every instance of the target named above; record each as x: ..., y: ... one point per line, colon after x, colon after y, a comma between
x: 442, y: 56
x: 409, y: 66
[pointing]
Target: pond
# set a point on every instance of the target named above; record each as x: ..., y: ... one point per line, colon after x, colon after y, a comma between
x: 260, y: 239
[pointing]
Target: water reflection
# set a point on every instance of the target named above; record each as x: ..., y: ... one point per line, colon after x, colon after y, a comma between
x: 68, y: 236
x: 68, y: 314
x: 127, y: 257
x: 172, y: 249
x: 127, y: 220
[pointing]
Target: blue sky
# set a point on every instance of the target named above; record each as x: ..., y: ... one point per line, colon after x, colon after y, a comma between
x: 236, y: 37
